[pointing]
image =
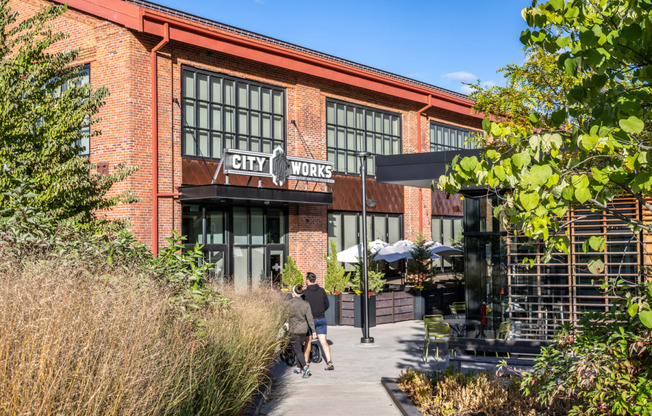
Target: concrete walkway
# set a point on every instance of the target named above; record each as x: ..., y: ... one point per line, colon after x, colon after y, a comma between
x: 354, y: 388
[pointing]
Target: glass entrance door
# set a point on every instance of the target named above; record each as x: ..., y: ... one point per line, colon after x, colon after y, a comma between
x: 275, y: 263
x: 245, y: 244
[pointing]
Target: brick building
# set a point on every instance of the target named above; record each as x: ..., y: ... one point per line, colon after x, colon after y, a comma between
x: 183, y: 89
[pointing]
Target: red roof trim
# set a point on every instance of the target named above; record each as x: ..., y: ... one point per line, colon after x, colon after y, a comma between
x: 149, y: 21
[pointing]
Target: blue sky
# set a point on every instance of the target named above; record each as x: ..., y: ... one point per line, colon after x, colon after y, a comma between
x: 441, y: 42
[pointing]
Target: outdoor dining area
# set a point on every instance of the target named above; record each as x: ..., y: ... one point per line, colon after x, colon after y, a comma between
x: 413, y: 283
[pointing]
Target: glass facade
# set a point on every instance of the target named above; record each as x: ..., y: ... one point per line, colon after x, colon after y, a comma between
x: 351, y: 128
x: 447, y: 231
x: 445, y: 137
x: 344, y: 228
x: 221, y: 112
x: 247, y: 244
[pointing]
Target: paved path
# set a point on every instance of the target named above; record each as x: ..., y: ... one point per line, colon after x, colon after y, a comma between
x: 354, y: 388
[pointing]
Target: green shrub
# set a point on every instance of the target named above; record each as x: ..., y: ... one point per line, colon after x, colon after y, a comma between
x: 603, y: 363
x: 336, y: 278
x: 376, y: 278
x: 291, y: 274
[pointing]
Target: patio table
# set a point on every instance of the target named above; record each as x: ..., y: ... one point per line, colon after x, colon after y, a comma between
x: 459, y: 325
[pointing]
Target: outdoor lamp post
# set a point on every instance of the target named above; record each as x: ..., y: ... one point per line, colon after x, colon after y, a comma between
x: 366, y: 339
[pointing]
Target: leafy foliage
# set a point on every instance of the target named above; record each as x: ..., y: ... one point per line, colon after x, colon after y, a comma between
x: 603, y: 363
x: 43, y: 108
x: 375, y: 277
x: 336, y: 277
x: 291, y: 274
x: 420, y: 269
x: 573, y: 135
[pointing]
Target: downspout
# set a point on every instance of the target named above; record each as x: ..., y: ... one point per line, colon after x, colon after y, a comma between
x: 419, y: 113
x: 154, y: 106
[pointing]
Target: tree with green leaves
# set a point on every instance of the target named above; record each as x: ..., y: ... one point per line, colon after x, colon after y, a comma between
x: 572, y: 126
x: 336, y: 278
x: 571, y: 129
x: 420, y: 268
x: 44, y: 113
x: 376, y: 278
x: 291, y: 275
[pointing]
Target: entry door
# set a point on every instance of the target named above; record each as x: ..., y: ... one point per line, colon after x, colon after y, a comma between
x: 275, y: 262
x: 216, y: 254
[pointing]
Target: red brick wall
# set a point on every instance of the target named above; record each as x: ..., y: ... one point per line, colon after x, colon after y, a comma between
x: 120, y: 60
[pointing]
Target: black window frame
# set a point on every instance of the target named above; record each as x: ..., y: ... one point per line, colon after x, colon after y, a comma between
x: 85, y: 130
x: 332, y: 128
x: 462, y: 135
x: 230, y: 139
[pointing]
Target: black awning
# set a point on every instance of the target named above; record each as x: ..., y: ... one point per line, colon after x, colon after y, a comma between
x: 416, y: 169
x: 217, y: 192
x: 420, y: 169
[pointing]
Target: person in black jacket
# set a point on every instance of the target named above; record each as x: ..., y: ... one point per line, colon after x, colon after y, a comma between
x: 316, y: 297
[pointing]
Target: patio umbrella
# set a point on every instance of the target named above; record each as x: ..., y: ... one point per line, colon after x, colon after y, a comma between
x: 397, y: 251
x: 353, y: 253
x: 444, y: 251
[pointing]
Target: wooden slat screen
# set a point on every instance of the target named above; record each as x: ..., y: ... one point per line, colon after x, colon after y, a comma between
x: 546, y: 295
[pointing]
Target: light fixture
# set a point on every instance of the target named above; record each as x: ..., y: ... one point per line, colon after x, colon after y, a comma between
x: 371, y: 203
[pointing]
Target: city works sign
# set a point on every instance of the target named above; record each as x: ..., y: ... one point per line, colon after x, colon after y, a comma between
x: 277, y: 166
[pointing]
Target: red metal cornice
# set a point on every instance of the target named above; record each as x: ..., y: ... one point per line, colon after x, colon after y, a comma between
x: 149, y: 21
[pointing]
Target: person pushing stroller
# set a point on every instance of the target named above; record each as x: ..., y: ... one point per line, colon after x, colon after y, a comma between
x: 299, y: 322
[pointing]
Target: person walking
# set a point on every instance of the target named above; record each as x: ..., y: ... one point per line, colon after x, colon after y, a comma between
x: 298, y: 324
x: 316, y: 297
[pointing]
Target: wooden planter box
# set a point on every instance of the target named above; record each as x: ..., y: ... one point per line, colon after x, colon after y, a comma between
x: 384, y: 308
x: 394, y: 307
x: 352, y: 310
x: 334, y: 311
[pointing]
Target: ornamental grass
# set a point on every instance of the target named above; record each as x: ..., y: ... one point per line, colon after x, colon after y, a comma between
x: 449, y: 393
x: 77, y: 343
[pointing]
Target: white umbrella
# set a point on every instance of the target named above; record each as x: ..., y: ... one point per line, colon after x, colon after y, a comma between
x: 353, y: 253
x: 397, y: 251
x: 442, y: 250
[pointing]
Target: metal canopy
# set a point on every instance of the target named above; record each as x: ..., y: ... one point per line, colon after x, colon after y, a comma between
x: 420, y: 169
x: 216, y: 192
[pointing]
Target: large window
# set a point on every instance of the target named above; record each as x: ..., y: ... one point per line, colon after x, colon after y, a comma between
x: 84, y: 140
x: 345, y: 228
x: 351, y: 128
x: 221, y: 112
x: 447, y: 231
x: 444, y: 137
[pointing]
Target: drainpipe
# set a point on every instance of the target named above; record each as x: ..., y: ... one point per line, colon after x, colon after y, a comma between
x: 154, y: 106
x: 419, y: 113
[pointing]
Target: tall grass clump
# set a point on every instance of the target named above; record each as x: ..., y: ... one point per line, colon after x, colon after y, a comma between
x: 75, y: 342
x: 239, y: 346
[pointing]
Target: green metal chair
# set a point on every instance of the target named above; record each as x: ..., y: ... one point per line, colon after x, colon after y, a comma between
x: 432, y: 318
x: 436, y: 332
x: 503, y: 332
x: 457, y: 308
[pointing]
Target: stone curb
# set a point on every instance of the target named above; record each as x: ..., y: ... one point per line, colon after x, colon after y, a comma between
x: 402, y: 402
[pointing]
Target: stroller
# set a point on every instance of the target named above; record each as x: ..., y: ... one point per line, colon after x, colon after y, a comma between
x: 288, y: 357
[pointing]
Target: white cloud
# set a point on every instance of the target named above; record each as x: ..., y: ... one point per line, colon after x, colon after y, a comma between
x: 465, y: 89
x: 461, y: 76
